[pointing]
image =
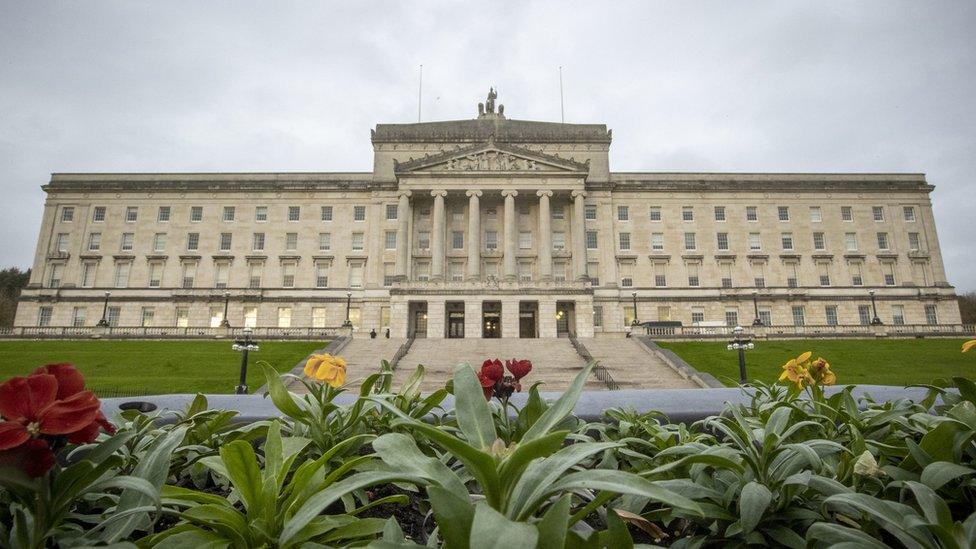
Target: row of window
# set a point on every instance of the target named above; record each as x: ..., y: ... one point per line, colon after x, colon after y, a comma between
x: 798, y: 314
x: 754, y: 241
x: 80, y: 318
x: 228, y: 213
x: 655, y: 213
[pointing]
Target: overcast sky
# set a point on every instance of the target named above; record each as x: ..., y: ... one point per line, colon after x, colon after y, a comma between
x: 280, y: 86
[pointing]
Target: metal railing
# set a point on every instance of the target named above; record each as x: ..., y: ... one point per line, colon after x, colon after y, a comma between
x: 600, y: 371
x: 170, y: 332
x: 789, y: 331
x: 401, y: 352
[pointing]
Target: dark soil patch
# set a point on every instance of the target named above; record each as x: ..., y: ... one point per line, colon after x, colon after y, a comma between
x: 412, y: 517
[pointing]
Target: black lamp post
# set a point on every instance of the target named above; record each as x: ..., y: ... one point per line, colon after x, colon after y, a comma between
x: 874, y: 307
x: 741, y: 344
x: 103, y: 323
x: 244, y: 346
x: 635, y: 322
x: 348, y: 322
x: 756, y: 321
x: 225, y: 323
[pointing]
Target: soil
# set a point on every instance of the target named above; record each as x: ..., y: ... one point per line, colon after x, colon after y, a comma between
x: 413, y: 517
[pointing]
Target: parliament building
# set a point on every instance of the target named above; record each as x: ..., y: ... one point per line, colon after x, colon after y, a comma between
x: 482, y: 228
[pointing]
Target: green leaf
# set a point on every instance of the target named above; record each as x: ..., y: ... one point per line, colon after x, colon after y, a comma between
x: 934, y: 508
x: 512, y: 466
x: 831, y: 535
x: 196, y: 538
x: 753, y: 501
x: 555, y: 523
x: 400, y: 451
x: 620, y: 482
x: 616, y: 535
x: 473, y: 412
x: 185, y: 497
x: 561, y: 408
x: 490, y: 530
x: 226, y: 521
x: 533, y: 409
x: 453, y: 516
x: 242, y: 470
x: 280, y: 395
x: 198, y: 405
x: 938, y: 473
x: 530, y: 489
x: 939, y: 442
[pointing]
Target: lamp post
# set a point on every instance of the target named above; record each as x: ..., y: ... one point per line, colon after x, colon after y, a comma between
x: 348, y: 322
x: 635, y: 321
x: 874, y: 308
x: 756, y: 321
x: 225, y: 323
x: 103, y: 323
x: 741, y: 343
x: 244, y: 346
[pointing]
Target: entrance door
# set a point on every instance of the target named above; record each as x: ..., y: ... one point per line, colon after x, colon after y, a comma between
x: 491, y: 319
x: 565, y: 318
x: 418, y: 319
x: 527, y: 319
x: 455, y: 325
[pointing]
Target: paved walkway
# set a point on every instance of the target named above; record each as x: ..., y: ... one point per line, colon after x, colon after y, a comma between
x: 633, y: 366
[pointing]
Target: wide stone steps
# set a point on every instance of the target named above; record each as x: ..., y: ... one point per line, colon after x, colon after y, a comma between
x: 632, y: 366
x: 554, y: 361
x: 363, y: 356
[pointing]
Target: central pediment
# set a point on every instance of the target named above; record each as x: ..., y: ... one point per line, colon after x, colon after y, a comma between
x: 493, y: 158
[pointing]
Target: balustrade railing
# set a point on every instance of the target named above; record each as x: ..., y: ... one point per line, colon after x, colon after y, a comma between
x: 789, y: 331
x: 167, y: 332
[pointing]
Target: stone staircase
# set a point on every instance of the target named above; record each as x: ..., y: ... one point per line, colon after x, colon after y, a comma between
x: 554, y: 361
x: 632, y: 366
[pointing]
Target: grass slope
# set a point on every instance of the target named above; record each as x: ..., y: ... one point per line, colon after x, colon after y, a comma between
x: 877, y: 362
x: 153, y: 367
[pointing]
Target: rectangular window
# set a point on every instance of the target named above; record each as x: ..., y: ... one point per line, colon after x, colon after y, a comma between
x: 787, y: 240
x: 325, y: 242
x: 457, y: 240
x: 598, y: 315
x: 830, y: 312
x: 148, y: 313
x: 752, y: 213
x: 389, y: 240
x: 799, y: 318
x: 624, y: 241
x: 824, y: 273
x: 128, y: 241
x: 357, y: 242
x: 589, y: 212
x: 878, y: 213
x: 731, y: 317
x: 196, y: 214
x: 850, y: 242
x: 694, y: 279
x: 792, y: 276
x: 524, y: 211
x: 690, y: 243
x: 719, y: 213
x: 660, y: 275
x: 687, y: 213
x: 355, y: 275
x: 221, y: 274
x: 321, y: 275
x: 122, y: 274
x: 456, y: 271
x: 54, y: 281
x: 909, y: 212
x: 655, y: 213
x: 491, y: 240
x: 755, y: 242
x: 229, y: 212
x: 525, y: 240
x: 783, y: 212
x: 112, y: 316
x: 192, y: 241
x: 225, y: 242
x: 559, y: 271
x: 623, y: 213
x: 766, y: 317
x: 88, y: 275
x: 931, y: 315
x: 131, y: 214
x: 61, y: 243
x: 78, y: 315
x: 657, y: 241
x: 44, y: 315
x: 155, y: 274
x: 558, y: 212
x: 591, y: 241
x: 425, y: 212
x: 326, y: 213
x: 816, y: 214
x: 558, y: 240
x: 254, y: 274
x: 423, y: 240
x: 889, y: 273
x: 294, y: 214
x: 284, y: 317
x: 391, y: 212
x: 914, y: 243
x: 422, y: 271
x: 250, y: 317
x: 726, y: 269
x: 864, y: 314
x: 98, y: 214
x: 898, y: 315
x: 697, y: 315
x: 723, y: 241
x: 189, y: 274
x: 288, y: 275
x: 388, y: 274
x: 664, y: 313
x: 182, y: 317
x: 257, y: 242
x: 291, y: 242
x: 159, y: 242
x: 216, y: 316
x: 163, y: 214
x: 819, y: 242
x: 359, y: 213
x: 856, y: 278
x: 883, y: 241
x: 260, y: 213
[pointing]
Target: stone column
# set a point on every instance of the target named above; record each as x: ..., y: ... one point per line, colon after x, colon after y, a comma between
x: 545, y: 236
x: 510, y: 235
x: 437, y: 238
x: 474, y: 236
x: 403, y: 230
x: 579, y: 235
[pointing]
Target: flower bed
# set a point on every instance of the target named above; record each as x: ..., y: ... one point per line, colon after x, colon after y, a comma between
x: 391, y: 467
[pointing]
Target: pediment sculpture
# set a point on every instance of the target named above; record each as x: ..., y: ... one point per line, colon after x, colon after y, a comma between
x: 491, y: 161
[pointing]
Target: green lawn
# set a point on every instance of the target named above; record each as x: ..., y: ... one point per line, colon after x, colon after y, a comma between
x: 153, y: 367
x: 878, y: 362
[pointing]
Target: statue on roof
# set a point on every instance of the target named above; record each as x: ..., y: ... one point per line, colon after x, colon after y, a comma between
x: 490, y: 104
x: 488, y: 107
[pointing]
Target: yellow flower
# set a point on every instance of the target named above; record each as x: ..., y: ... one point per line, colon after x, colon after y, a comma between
x: 968, y: 345
x: 327, y: 368
x: 795, y: 372
x: 820, y: 372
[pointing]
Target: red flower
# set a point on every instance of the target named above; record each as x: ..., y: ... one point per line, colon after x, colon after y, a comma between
x: 38, y: 409
x: 487, y: 385
x: 493, y: 369
x: 519, y: 367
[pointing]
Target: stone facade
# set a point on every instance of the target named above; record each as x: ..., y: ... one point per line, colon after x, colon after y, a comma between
x: 487, y: 227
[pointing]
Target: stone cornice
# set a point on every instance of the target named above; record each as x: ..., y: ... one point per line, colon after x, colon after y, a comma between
x: 762, y: 182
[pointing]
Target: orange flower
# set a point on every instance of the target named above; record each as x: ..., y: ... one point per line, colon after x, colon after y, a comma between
x: 326, y: 368
x: 968, y: 345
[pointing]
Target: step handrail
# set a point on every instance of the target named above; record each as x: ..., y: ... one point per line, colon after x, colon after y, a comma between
x: 401, y: 352
x: 600, y: 371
